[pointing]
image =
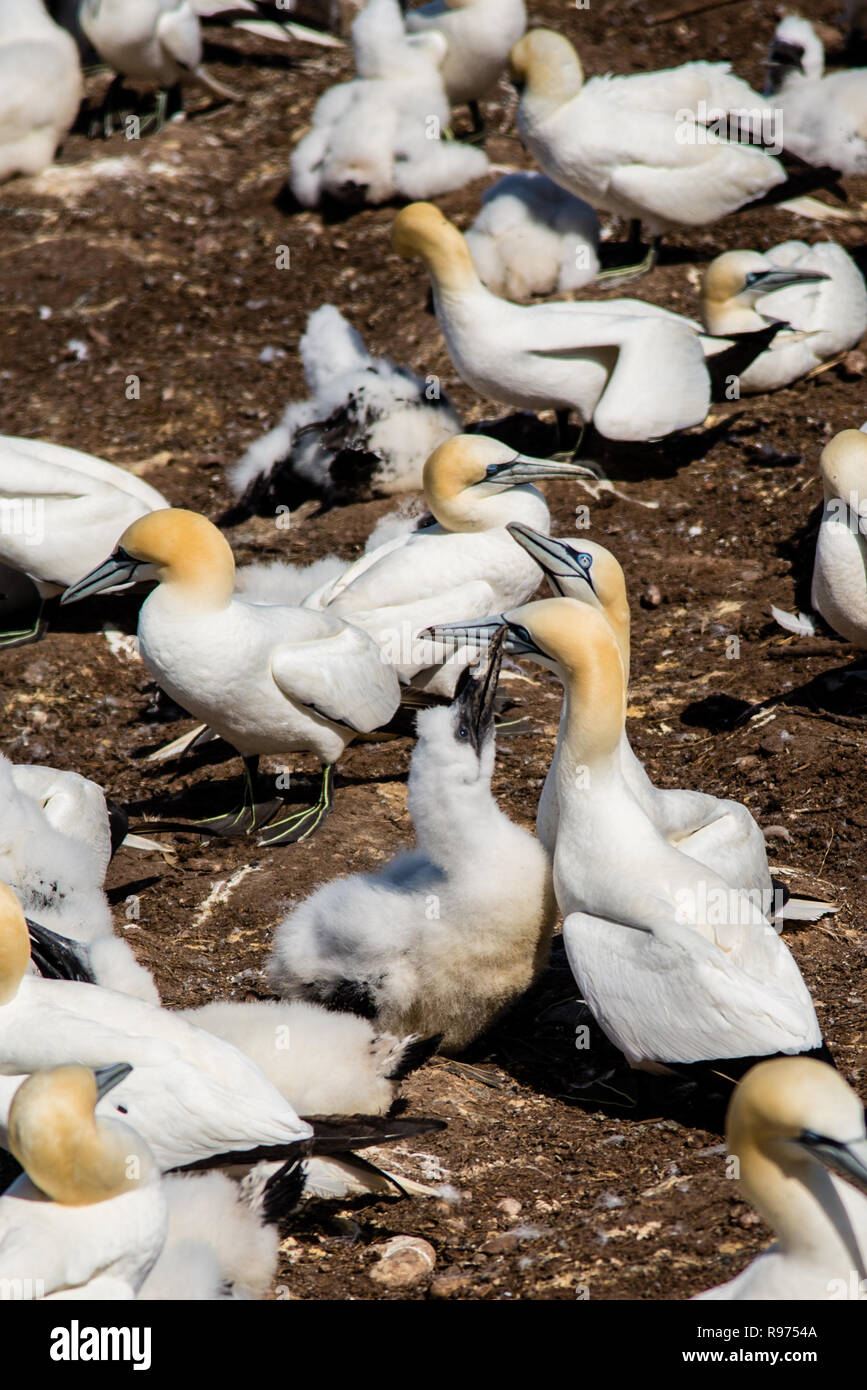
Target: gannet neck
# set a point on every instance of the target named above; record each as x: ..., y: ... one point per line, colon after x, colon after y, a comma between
x: 14, y: 945
x: 843, y: 465
x: 545, y: 65
x: 192, y: 559
x: 422, y: 231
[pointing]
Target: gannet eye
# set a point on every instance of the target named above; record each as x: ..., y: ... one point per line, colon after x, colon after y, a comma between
x: 463, y: 731
x: 585, y: 560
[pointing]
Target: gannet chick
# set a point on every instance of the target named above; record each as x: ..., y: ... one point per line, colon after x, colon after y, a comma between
x: 675, y: 965
x: 447, y: 936
x: 365, y: 430
x: 825, y: 116
x: 818, y: 292
x: 635, y: 370
x: 378, y: 136
x: 839, y: 589
x: 267, y: 679
x: 466, y: 564
x: 533, y: 238
x: 480, y: 35
x: 797, y: 1131
x: 61, y: 510
x: 40, y: 87
x: 89, y: 1204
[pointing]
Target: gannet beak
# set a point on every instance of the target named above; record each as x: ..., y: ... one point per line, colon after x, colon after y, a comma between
x: 766, y: 281
x: 790, y: 54
x: 114, y: 573
x: 109, y: 1077
x: 56, y: 957
x: 848, y: 1160
x: 475, y: 632
x: 476, y: 691
x: 558, y: 559
x: 523, y: 469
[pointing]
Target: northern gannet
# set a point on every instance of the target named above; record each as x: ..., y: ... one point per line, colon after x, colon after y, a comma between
x: 824, y: 116
x: 675, y: 964
x: 797, y: 1132
x: 817, y: 291
x: 446, y: 936
x: 533, y: 238
x: 40, y: 87
x: 839, y: 589
x: 90, y: 1203
x: 466, y: 564
x: 267, y: 679
x: 365, y: 430
x: 480, y: 35
x: 379, y: 135
x: 635, y: 370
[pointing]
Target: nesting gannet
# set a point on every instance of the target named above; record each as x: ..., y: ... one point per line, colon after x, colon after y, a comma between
x: 89, y: 1204
x: 817, y: 291
x: 480, y: 35
x: 635, y: 370
x: 466, y: 564
x: 446, y: 936
x: 797, y: 1131
x: 379, y: 135
x: 267, y: 679
x: 675, y: 964
x: 824, y: 116
x: 533, y: 238
x: 154, y: 41
x: 365, y: 430
x: 40, y: 87
x: 839, y: 589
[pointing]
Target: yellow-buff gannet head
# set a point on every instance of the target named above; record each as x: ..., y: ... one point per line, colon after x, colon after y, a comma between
x: 545, y: 65
x: 843, y: 465
x: 467, y: 479
x: 422, y: 232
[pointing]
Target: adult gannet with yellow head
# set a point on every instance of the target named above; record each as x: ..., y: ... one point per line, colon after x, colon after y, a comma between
x: 464, y: 565
x: 675, y: 964
x: 797, y: 1131
x: 267, y: 678
x: 839, y: 589
x: 89, y: 1205
x: 636, y: 370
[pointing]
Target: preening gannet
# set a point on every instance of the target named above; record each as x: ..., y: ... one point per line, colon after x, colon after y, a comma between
x: 839, y: 590
x: 674, y: 963
x: 267, y: 679
x: 797, y: 1131
x: 445, y: 937
x: 40, y: 87
x: 533, y: 238
x: 824, y: 116
x: 480, y: 35
x: 89, y: 1204
x: 466, y: 564
x: 817, y: 291
x: 635, y: 370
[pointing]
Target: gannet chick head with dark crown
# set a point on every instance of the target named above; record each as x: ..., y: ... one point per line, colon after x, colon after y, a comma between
x: 472, y: 482
x: 545, y: 67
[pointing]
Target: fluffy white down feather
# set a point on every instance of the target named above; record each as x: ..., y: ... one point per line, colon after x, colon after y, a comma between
x: 533, y: 238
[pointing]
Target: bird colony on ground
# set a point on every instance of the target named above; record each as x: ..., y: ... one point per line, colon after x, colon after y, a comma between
x: 112, y: 1104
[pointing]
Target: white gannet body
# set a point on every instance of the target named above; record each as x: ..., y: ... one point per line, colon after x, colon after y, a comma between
x: 824, y: 116
x: 631, y: 145
x: 797, y: 1131
x: 674, y: 963
x: 480, y: 35
x: 466, y: 564
x: 533, y: 238
x: 378, y: 135
x: 446, y: 936
x: 89, y: 1206
x: 634, y: 369
x: 153, y: 41
x: 62, y: 510
x: 366, y: 429
x: 839, y: 589
x: 818, y: 291
x: 40, y: 87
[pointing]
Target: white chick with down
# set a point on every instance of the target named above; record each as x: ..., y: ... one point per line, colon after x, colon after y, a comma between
x: 839, y: 585
x: 366, y: 429
x: 41, y: 87
x: 533, y: 238
x: 824, y: 115
x: 446, y: 936
x: 378, y: 136
x: 479, y: 35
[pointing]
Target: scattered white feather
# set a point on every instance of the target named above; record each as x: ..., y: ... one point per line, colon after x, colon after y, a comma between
x: 801, y: 625
x: 533, y: 238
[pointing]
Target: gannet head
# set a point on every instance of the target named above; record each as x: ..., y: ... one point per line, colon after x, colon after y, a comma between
x: 742, y: 277
x: 14, y: 944
x: 69, y: 1154
x: 465, y: 479
x: 796, y: 51
x: 422, y: 232
x: 793, y: 1112
x: 843, y: 465
x: 544, y: 64
x: 173, y: 546
x: 461, y: 736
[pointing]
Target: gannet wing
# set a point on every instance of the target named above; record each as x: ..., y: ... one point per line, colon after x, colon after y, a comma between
x: 342, y: 676
x: 359, y: 567
x: 696, y: 190
x: 180, y: 34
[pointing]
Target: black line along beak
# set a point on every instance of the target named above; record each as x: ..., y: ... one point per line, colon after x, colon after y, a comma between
x: 767, y: 281
x: 841, y: 1158
x: 56, y: 957
x: 109, y: 1077
x: 476, y: 692
x: 475, y: 632
x: 114, y: 573
x: 524, y: 469
x: 558, y: 559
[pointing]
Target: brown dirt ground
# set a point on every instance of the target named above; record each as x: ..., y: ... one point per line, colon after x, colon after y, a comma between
x: 169, y: 273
